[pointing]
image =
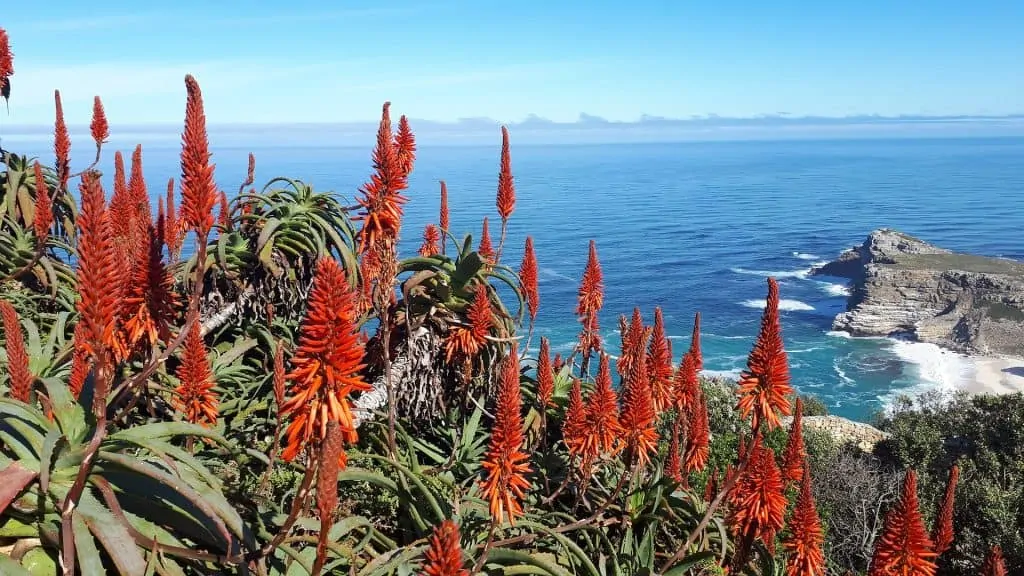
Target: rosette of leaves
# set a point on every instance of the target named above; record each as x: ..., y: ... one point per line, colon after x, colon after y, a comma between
x: 149, y: 505
x: 264, y: 256
x: 436, y: 292
x: 20, y: 252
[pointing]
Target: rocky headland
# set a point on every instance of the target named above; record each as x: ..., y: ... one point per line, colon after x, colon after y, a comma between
x: 901, y: 285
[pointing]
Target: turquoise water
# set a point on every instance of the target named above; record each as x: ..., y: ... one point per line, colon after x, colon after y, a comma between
x: 698, y: 226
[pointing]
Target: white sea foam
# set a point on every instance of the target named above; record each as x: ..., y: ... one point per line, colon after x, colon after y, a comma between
x: 844, y: 380
x: 804, y: 350
x: 728, y: 374
x: 551, y: 273
x: 773, y: 273
x: 838, y: 334
x: 932, y: 366
x: 835, y: 289
x: 784, y: 305
x: 806, y: 256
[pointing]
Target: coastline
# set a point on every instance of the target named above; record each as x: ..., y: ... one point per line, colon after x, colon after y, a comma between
x: 995, y: 375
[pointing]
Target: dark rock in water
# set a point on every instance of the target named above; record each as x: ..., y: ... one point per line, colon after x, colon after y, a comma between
x: 903, y: 285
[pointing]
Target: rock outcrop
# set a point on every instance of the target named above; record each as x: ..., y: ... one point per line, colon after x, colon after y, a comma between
x: 905, y: 286
x: 843, y: 430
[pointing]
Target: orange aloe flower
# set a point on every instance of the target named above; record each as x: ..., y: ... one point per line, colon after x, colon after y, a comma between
x: 485, y: 249
x: 99, y: 127
x: 279, y: 375
x: 604, y: 431
x: 505, y: 465
x: 21, y: 378
x: 994, y: 564
x: 224, y: 214
x: 61, y: 143
x: 431, y: 241
x: 574, y: 426
x: 6, y: 57
x: 120, y: 203
x: 942, y: 532
x: 804, y: 556
x: 545, y: 375
x: 381, y: 197
x: 43, y: 217
x: 659, y: 365
x: 327, y: 366
x: 149, y: 301
x: 405, y: 146
x: 758, y: 500
x: 444, y: 555
x: 764, y: 386
x: 198, y: 190
x: 557, y: 363
x: 686, y: 385
x: 638, y: 417
x: 331, y: 451
x: 195, y: 397
x: 97, y: 272
x: 79, y: 362
x: 795, y: 455
x: 141, y: 210
x: 506, y: 199
x: 904, y: 547
x: 528, y: 279
x: 698, y: 359
x: 674, y: 461
x: 591, y: 292
x: 698, y: 442
x: 174, y: 229
x: 590, y: 299
x: 467, y: 341
x: 443, y: 216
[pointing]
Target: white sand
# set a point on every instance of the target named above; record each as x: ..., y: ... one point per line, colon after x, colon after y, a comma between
x: 996, y: 375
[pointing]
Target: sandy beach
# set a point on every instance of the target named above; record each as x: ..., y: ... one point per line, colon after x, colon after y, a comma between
x: 996, y: 375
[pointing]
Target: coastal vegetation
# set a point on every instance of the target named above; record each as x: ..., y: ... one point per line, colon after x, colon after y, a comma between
x: 261, y: 383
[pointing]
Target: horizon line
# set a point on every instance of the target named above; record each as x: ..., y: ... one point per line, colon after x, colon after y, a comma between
x: 584, y: 120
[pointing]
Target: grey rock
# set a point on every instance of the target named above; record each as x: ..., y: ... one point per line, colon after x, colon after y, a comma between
x: 843, y: 430
x: 901, y: 285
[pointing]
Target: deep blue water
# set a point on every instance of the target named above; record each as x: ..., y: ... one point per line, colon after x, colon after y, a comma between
x: 698, y: 226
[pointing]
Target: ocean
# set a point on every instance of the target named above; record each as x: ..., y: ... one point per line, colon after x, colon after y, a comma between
x: 697, y: 227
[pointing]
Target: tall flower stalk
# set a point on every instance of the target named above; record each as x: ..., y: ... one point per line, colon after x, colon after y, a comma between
x: 21, y: 378
x: 904, y: 547
x: 506, y: 464
x: 506, y: 198
x: 528, y: 284
x: 444, y: 553
x: 326, y: 367
x: 942, y: 532
x: 590, y: 299
x: 764, y: 387
x: 803, y: 544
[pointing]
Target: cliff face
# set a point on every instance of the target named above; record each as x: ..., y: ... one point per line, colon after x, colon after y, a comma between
x: 900, y: 284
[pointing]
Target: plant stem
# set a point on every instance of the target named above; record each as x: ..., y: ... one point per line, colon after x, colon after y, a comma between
x: 730, y: 482
x: 487, y: 550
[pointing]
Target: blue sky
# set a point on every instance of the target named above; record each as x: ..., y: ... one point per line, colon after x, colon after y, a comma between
x: 320, y: 61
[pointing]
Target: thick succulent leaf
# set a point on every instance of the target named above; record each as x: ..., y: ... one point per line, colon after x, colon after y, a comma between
x: 209, y: 501
x: 545, y: 563
x: 166, y: 430
x: 112, y: 534
x: 683, y: 566
x: 67, y: 410
x: 13, y: 479
x: 89, y: 560
x: 9, y: 567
